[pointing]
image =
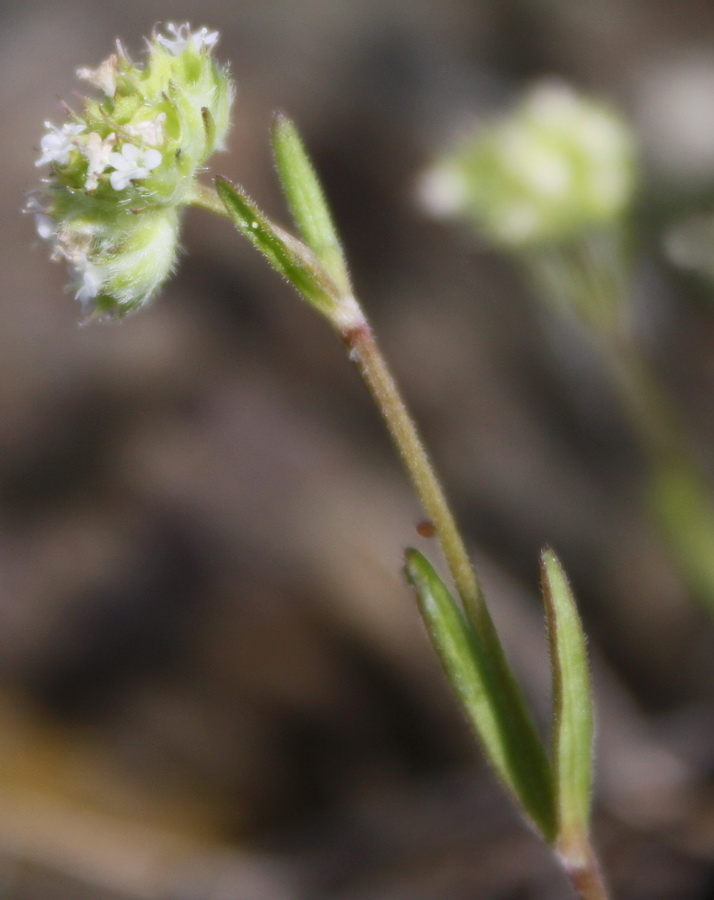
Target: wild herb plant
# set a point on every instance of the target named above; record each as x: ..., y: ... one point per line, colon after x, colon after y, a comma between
x: 552, y: 185
x: 121, y: 172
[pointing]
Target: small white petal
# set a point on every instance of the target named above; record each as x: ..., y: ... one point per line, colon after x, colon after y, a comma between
x: 132, y: 164
x: 46, y: 226
x: 58, y: 143
x: 130, y: 153
x: 182, y: 36
x: 177, y: 44
x: 152, y: 159
x: 205, y: 38
x: 119, y: 180
x: 117, y: 161
x: 149, y: 132
x: 90, y: 281
x: 104, y: 77
x: 97, y: 152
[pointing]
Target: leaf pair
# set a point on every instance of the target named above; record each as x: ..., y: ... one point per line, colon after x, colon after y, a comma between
x: 555, y: 795
x: 315, y: 268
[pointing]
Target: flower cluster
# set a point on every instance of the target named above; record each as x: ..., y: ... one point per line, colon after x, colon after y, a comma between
x: 122, y: 169
x: 558, y: 166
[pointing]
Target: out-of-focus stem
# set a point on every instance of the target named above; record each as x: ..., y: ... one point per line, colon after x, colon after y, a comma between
x: 590, y: 279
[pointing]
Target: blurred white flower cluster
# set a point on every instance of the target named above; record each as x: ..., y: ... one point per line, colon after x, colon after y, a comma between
x: 558, y: 166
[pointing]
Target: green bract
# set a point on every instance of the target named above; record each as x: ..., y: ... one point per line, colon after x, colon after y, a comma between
x: 121, y: 170
x: 558, y: 166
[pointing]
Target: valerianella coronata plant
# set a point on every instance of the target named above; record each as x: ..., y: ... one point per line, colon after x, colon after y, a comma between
x: 121, y: 170
x: 120, y: 174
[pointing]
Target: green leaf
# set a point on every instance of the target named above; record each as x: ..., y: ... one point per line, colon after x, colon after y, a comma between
x: 290, y: 257
x: 306, y: 200
x: 572, y: 704
x: 489, y: 695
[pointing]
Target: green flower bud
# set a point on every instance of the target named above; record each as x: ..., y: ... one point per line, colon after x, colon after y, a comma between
x: 121, y: 170
x: 558, y: 167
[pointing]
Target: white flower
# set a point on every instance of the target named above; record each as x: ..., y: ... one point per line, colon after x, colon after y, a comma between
x: 182, y: 36
x: 72, y: 246
x: 97, y: 152
x: 89, y: 281
x: 75, y: 248
x: 46, y: 226
x: 58, y: 143
x: 204, y: 38
x: 131, y: 164
x: 104, y: 77
x: 150, y: 131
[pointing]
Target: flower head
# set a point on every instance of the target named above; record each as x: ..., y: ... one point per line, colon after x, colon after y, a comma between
x: 558, y: 166
x: 182, y: 36
x: 121, y: 170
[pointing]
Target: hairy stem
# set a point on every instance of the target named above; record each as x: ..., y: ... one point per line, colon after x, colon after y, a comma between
x: 366, y: 353
x: 207, y: 198
x: 529, y: 766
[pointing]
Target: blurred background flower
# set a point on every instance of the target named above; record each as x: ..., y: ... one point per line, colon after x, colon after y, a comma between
x: 214, y: 683
x: 559, y: 166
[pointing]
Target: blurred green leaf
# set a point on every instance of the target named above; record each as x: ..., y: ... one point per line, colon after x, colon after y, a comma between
x: 681, y: 505
x: 290, y: 257
x: 489, y: 695
x: 572, y: 703
x: 306, y: 200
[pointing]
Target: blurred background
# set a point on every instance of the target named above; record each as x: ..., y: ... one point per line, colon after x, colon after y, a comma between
x: 213, y: 682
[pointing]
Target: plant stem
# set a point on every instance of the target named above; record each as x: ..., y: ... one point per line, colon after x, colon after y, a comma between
x: 583, y: 870
x: 506, y: 727
x: 364, y: 350
x: 528, y: 765
x: 207, y: 198
x: 590, y: 278
x: 357, y: 335
x: 580, y: 862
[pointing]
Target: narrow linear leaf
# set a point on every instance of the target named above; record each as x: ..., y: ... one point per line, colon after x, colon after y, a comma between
x: 488, y: 695
x: 291, y: 258
x: 572, y: 704
x: 306, y: 200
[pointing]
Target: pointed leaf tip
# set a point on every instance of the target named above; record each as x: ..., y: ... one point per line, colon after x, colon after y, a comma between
x: 306, y: 199
x: 572, y: 703
x: 488, y: 693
